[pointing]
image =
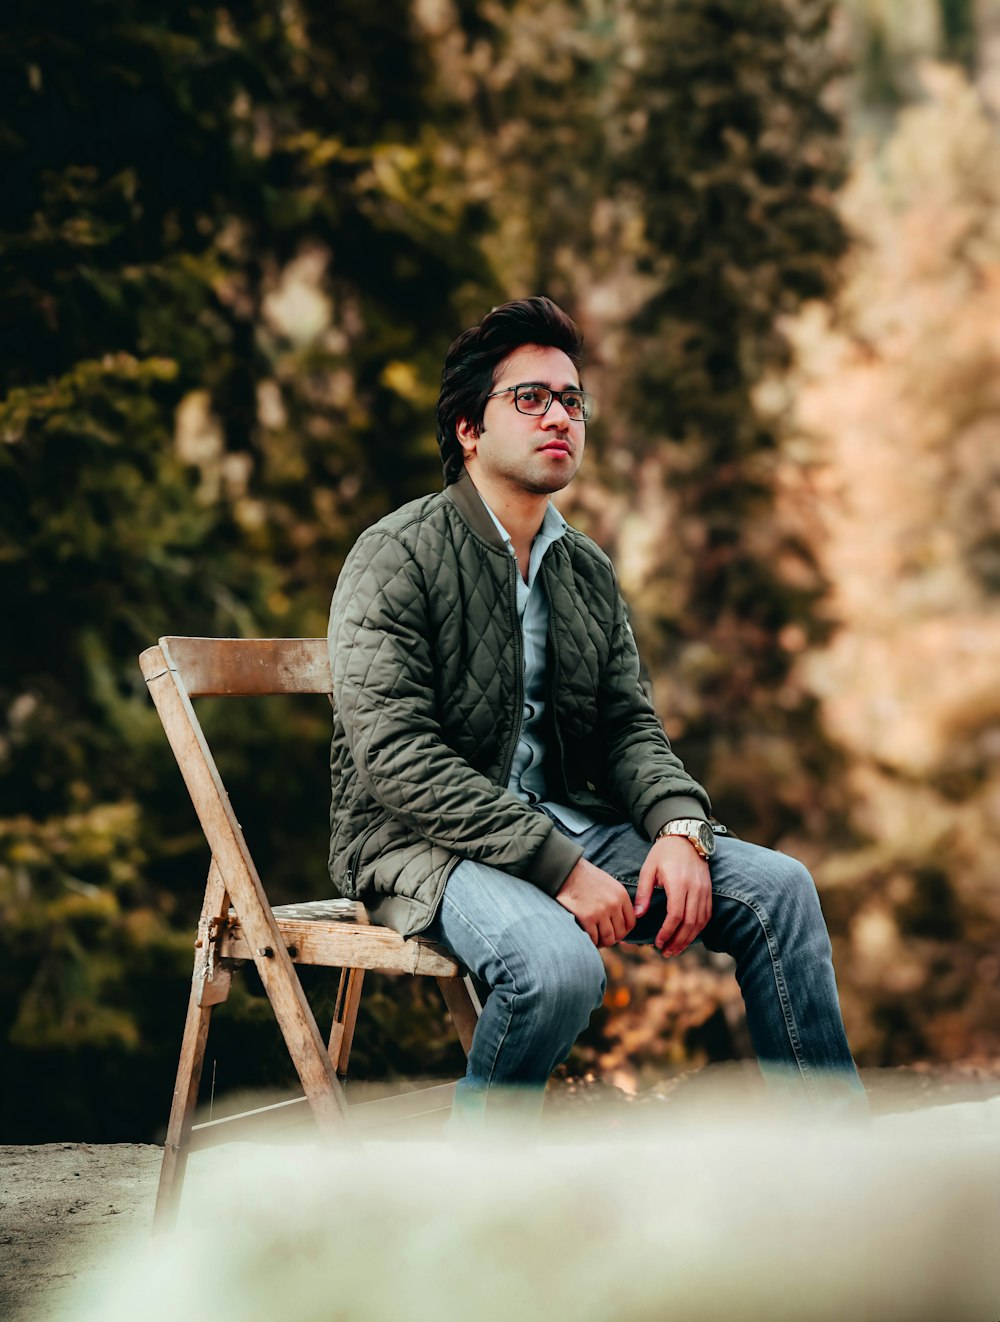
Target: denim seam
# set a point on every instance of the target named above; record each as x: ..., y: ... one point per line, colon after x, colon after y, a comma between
x: 782, y: 988
x: 513, y: 982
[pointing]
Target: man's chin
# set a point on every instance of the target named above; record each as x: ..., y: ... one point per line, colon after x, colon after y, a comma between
x: 546, y: 484
x: 548, y: 488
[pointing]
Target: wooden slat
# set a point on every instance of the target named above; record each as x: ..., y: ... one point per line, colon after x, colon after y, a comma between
x: 249, y: 667
x: 463, y: 1006
x: 345, y: 1018
x: 185, y: 1098
x: 338, y: 910
x: 265, y: 1121
x: 402, y: 1106
x: 229, y: 849
x: 212, y: 981
x: 262, y: 1122
x: 343, y: 945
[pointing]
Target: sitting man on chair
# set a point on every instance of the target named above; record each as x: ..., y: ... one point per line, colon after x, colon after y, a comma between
x: 501, y: 782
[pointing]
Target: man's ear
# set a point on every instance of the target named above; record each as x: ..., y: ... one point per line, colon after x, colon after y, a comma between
x: 468, y: 435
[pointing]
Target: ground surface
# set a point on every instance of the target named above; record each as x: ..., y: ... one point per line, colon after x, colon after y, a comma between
x: 65, y: 1208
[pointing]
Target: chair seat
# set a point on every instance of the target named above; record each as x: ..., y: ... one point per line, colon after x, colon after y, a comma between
x: 337, y: 933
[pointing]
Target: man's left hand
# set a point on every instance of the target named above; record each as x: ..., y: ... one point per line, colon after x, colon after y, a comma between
x: 675, y: 865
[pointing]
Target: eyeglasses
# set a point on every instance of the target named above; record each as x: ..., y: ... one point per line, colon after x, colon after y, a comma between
x: 536, y: 400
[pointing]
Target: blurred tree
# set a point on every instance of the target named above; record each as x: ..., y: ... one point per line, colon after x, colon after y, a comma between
x: 887, y: 43
x: 222, y: 277
x: 899, y: 479
x: 958, y: 31
x: 534, y: 150
x: 731, y: 160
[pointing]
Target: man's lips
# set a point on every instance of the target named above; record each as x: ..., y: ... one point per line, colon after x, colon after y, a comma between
x: 556, y: 447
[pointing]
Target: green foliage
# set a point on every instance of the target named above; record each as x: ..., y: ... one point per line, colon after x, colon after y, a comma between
x: 86, y: 922
x: 179, y: 452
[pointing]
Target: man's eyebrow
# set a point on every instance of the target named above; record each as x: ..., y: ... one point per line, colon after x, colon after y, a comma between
x: 573, y: 385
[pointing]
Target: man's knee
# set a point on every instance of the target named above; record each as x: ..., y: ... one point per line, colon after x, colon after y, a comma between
x: 781, y: 892
x: 583, y: 980
x: 571, y: 980
x: 794, y: 884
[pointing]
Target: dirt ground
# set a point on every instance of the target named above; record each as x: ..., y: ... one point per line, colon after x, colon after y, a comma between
x: 64, y: 1209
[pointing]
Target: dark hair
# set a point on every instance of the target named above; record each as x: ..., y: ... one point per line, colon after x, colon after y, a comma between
x: 471, y: 363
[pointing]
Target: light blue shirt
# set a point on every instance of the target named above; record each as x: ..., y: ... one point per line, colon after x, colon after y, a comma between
x: 527, y: 776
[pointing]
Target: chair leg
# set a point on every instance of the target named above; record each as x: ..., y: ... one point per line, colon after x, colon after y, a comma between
x: 345, y: 1010
x: 181, y: 1114
x: 209, y: 986
x: 463, y: 1006
x: 345, y: 1017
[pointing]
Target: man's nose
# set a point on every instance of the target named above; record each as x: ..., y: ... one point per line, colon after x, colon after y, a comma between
x: 556, y: 415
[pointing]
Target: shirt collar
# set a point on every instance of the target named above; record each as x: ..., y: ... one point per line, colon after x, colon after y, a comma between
x: 552, y: 528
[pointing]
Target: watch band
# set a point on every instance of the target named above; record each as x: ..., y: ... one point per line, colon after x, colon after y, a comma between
x: 694, y: 829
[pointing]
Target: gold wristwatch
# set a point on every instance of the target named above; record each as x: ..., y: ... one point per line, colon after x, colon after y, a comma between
x: 695, y: 829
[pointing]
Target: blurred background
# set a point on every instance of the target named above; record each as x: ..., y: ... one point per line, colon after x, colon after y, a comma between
x: 235, y: 243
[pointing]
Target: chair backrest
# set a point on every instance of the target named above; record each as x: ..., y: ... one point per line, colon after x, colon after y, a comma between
x: 176, y: 670
x: 245, y: 667
x: 179, y: 669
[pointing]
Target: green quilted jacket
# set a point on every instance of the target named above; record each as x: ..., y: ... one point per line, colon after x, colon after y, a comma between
x: 426, y: 651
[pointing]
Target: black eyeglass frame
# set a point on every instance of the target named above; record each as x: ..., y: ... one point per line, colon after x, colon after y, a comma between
x: 588, y: 402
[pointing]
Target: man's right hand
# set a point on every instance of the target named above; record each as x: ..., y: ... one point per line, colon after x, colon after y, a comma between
x: 599, y: 904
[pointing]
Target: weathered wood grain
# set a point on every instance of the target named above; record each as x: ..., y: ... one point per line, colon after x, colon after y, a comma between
x: 343, y: 945
x: 185, y: 1098
x: 249, y: 667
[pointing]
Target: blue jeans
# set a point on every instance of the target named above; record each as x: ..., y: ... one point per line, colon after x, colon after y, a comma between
x: 546, y: 977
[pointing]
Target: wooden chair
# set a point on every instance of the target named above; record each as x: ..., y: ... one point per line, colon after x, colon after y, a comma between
x: 238, y: 923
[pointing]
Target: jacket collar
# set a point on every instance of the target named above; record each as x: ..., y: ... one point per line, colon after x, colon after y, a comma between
x: 467, y: 500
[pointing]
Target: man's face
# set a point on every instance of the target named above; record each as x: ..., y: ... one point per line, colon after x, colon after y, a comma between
x: 537, y: 454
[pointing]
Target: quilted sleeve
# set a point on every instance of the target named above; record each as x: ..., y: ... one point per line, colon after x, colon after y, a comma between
x: 383, y: 687
x: 645, y: 775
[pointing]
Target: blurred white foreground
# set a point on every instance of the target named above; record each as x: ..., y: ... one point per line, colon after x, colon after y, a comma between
x: 732, y: 1217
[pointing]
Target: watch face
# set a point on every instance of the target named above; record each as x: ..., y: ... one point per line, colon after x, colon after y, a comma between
x: 706, y: 838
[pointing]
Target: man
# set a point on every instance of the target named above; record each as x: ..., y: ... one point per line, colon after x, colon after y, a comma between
x: 500, y: 780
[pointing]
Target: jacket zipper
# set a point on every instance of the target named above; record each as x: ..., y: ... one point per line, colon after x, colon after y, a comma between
x: 518, y: 668
x: 553, y: 671
x: 366, y: 834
